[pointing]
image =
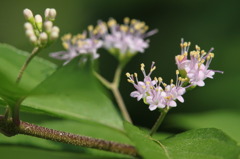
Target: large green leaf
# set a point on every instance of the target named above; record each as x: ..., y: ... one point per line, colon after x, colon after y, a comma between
x: 73, y: 92
x: 12, y: 59
x: 226, y: 120
x: 207, y: 143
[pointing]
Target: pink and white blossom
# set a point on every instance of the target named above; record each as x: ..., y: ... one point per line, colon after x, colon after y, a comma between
x: 128, y: 37
x: 155, y: 93
x: 197, y: 67
x: 78, y: 45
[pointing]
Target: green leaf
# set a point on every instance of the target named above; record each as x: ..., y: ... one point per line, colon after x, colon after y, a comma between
x: 145, y: 145
x: 207, y: 143
x: 226, y: 120
x: 73, y: 92
x: 12, y: 59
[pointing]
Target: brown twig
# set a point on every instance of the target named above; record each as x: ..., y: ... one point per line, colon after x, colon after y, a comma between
x: 8, y: 128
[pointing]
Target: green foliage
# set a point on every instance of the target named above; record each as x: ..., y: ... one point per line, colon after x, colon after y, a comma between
x: 10, y: 63
x: 12, y: 60
x: 226, y: 120
x: 194, y: 144
x: 72, y: 93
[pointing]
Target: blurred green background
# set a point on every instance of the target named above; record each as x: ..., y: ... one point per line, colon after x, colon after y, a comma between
x: 206, y: 23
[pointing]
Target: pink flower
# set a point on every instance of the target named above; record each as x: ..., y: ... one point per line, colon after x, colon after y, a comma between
x: 128, y: 37
x: 155, y: 93
x: 196, y: 67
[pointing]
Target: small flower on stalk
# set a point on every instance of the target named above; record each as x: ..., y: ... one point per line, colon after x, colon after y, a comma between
x: 195, y: 68
x: 79, y: 44
x: 125, y: 40
x: 40, y: 33
x: 142, y: 86
x: 155, y: 93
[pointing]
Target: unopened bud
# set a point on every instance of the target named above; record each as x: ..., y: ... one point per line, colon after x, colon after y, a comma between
x: 28, y: 26
x: 52, y: 14
x: 47, y: 13
x: 43, y: 37
x: 55, y: 29
x: 38, y: 20
x: 33, y: 39
x: 54, y: 35
x: 48, y: 25
x: 30, y: 33
x: 27, y: 13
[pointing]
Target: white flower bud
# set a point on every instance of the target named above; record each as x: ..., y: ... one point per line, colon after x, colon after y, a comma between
x: 43, y: 37
x: 47, y: 13
x: 54, y: 35
x: 38, y: 18
x: 30, y: 33
x: 55, y: 29
x: 52, y: 13
x: 48, y: 25
x: 28, y: 26
x: 27, y: 13
x: 33, y: 39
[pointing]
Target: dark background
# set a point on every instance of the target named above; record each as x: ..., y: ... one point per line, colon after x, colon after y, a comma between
x: 203, y: 22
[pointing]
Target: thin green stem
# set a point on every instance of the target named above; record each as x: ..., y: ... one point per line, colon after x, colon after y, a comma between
x: 121, y: 104
x: 159, y: 121
x: 23, y: 68
x: 117, y: 94
x: 117, y: 75
x: 114, y: 88
x: 8, y: 128
x: 7, y: 112
x: 103, y: 80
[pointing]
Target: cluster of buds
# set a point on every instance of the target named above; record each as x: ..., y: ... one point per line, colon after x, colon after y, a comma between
x: 193, y: 72
x: 195, y: 68
x: 155, y: 92
x: 41, y: 33
x: 79, y: 44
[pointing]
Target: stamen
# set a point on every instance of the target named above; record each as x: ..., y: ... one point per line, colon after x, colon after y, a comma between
x: 65, y: 45
x: 112, y: 22
x: 128, y: 74
x: 130, y: 81
x: 177, y: 72
x: 197, y: 48
x: 126, y: 20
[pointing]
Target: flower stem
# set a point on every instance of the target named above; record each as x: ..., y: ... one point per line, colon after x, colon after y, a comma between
x: 121, y: 104
x: 117, y: 94
x: 159, y: 121
x: 7, y: 111
x: 114, y: 88
x: 8, y: 128
x: 102, y: 80
x: 23, y: 68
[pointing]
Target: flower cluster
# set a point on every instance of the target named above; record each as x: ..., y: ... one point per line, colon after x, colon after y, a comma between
x: 77, y: 45
x: 195, y: 68
x: 128, y: 38
x: 122, y: 40
x: 155, y: 92
x: 194, y: 71
x: 41, y: 33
